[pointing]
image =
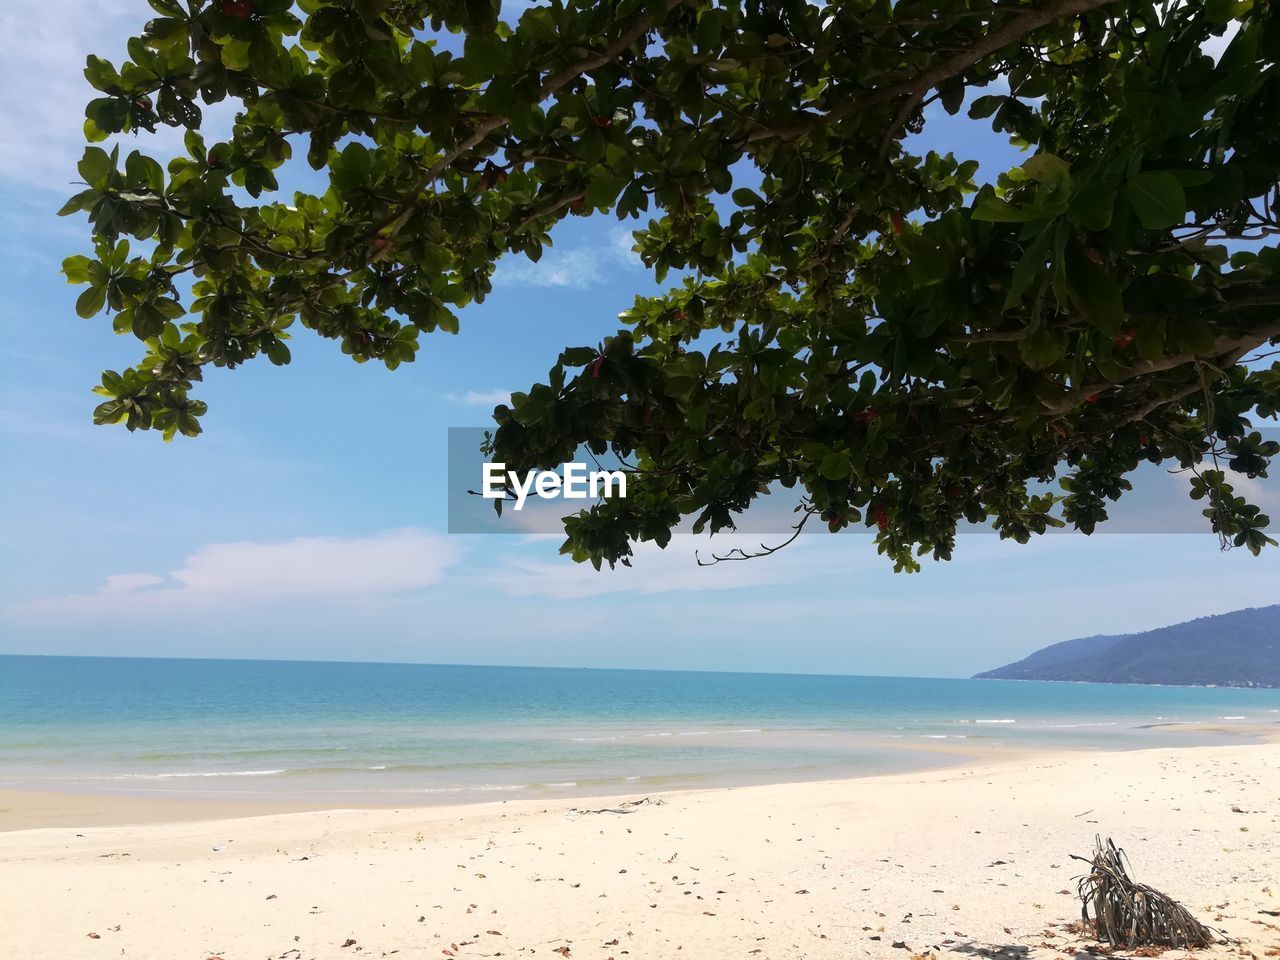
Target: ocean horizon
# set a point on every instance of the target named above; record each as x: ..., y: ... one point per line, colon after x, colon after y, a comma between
x: 360, y: 732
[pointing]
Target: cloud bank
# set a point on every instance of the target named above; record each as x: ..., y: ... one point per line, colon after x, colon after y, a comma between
x: 253, y: 573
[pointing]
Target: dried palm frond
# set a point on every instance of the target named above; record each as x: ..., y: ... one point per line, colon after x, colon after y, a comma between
x: 1131, y: 914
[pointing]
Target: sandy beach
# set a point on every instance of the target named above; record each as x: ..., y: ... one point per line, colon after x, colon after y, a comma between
x: 967, y: 860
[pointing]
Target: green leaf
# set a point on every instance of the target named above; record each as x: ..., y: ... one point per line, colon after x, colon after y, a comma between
x: 1157, y: 198
x: 235, y: 54
x: 602, y: 190
x: 76, y: 270
x: 1150, y: 340
x: 835, y: 466
x: 984, y: 107
x: 578, y: 356
x: 95, y: 166
x: 1093, y: 205
x: 990, y: 208
x: 1029, y: 267
x: 1095, y: 292
x: 90, y: 302
x: 1041, y: 349
x: 1047, y: 168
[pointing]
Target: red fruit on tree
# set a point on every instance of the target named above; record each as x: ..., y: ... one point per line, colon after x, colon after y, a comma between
x: 603, y: 121
x: 143, y: 103
x: 240, y: 9
x: 867, y: 416
x: 492, y: 175
x: 882, y: 517
x: 679, y: 314
x: 596, y: 364
x: 1093, y: 398
x: 896, y: 221
x: 1123, y: 338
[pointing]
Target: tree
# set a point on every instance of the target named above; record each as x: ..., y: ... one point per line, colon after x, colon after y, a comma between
x: 851, y: 319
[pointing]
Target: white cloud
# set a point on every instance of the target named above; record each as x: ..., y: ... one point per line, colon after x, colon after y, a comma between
x: 579, y: 267
x: 128, y: 583
x: 256, y: 572
x: 480, y: 398
x: 319, y: 566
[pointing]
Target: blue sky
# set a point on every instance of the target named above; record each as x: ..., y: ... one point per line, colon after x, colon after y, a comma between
x: 309, y: 520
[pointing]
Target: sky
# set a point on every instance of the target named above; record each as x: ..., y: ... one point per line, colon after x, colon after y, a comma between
x: 309, y: 521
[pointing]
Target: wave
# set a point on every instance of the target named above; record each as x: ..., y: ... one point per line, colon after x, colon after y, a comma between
x: 665, y: 733
x: 198, y: 773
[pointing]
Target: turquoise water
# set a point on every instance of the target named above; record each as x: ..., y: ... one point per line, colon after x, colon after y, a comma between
x: 416, y: 733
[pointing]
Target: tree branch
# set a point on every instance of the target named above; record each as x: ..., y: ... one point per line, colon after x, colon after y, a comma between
x: 1227, y: 350
x: 916, y: 87
x: 485, y: 127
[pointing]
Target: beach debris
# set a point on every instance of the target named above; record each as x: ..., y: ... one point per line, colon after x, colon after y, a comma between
x: 93, y: 936
x: 1131, y: 914
x: 350, y: 943
x: 627, y: 806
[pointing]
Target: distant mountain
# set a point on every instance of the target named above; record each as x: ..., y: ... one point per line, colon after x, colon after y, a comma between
x: 1240, y: 649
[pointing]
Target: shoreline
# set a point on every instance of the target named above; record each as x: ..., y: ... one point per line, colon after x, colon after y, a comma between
x: 29, y: 808
x: 971, y: 858
x: 32, y: 808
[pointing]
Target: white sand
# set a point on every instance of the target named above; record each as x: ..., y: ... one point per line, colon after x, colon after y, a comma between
x: 963, y: 861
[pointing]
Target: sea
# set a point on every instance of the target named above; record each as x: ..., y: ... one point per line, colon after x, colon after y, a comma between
x: 364, y: 733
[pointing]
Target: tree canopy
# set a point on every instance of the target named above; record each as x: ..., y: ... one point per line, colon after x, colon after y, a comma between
x: 848, y: 315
